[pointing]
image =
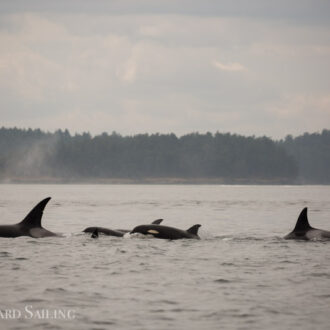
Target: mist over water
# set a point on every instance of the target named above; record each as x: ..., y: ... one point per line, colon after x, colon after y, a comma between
x: 242, y: 274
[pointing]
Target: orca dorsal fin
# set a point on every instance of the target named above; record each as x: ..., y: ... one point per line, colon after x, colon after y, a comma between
x: 157, y: 222
x: 302, y: 222
x: 194, y: 229
x: 33, y: 219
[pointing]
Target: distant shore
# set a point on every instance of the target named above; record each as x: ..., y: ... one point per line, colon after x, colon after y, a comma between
x: 158, y: 180
x: 34, y: 156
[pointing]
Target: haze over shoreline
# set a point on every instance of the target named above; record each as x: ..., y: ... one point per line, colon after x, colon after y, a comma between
x: 28, y: 156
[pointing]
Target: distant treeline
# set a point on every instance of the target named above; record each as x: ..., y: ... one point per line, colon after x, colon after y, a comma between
x: 229, y: 158
x: 311, y: 153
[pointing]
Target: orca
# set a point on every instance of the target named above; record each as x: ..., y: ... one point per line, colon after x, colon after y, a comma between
x: 166, y: 232
x: 114, y: 232
x: 30, y: 226
x: 303, y: 230
x: 105, y: 231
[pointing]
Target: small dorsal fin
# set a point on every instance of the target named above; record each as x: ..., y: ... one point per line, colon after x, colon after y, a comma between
x: 95, y: 233
x: 33, y: 219
x: 302, y: 222
x: 157, y: 222
x: 194, y: 229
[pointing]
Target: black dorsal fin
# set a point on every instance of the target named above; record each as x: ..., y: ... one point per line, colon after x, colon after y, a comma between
x: 157, y: 222
x: 95, y: 233
x: 194, y: 229
x: 302, y: 222
x: 33, y: 219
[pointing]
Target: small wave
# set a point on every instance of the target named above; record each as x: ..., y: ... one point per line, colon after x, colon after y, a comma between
x: 122, y: 251
x: 166, y: 318
x: 159, y: 310
x: 138, y: 235
x: 4, y: 254
x: 167, y: 302
x: 35, y: 241
x: 324, y: 296
x: 32, y: 300
x: 104, y: 322
x: 178, y: 310
x: 326, y: 275
x: 67, y: 235
x: 244, y: 315
x: 320, y: 239
x: 278, y: 239
x: 249, y: 239
x: 224, y: 237
x: 44, y: 326
x: 56, y: 290
x: 222, y: 280
x: 288, y: 262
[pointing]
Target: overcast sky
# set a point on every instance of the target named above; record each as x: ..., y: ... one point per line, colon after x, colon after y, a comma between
x: 145, y: 66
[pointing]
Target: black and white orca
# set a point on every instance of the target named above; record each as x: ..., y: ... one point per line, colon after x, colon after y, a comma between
x: 30, y: 226
x: 166, y: 232
x: 303, y: 230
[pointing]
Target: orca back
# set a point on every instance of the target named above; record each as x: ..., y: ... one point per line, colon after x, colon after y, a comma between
x: 95, y: 233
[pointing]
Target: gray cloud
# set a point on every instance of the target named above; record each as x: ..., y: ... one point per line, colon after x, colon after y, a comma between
x: 316, y: 11
x: 166, y: 66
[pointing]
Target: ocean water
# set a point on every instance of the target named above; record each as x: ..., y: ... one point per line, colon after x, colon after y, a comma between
x: 241, y: 275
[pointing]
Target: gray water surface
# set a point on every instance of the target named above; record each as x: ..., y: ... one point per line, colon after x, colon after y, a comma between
x: 241, y: 275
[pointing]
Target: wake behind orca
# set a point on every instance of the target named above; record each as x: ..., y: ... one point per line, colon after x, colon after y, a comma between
x: 303, y: 230
x: 30, y: 226
x: 166, y: 232
x: 113, y: 232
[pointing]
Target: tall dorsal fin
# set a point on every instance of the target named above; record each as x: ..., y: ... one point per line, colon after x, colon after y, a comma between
x: 33, y: 219
x: 194, y: 229
x: 157, y: 222
x: 302, y: 222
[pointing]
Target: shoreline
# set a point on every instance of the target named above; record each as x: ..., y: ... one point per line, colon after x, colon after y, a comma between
x: 155, y: 181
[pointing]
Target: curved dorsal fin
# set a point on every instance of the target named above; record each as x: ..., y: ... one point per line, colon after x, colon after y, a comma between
x: 157, y: 222
x: 33, y: 219
x: 302, y: 222
x: 194, y: 229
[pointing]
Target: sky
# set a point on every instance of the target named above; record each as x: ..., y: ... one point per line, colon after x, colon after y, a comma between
x: 170, y: 66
